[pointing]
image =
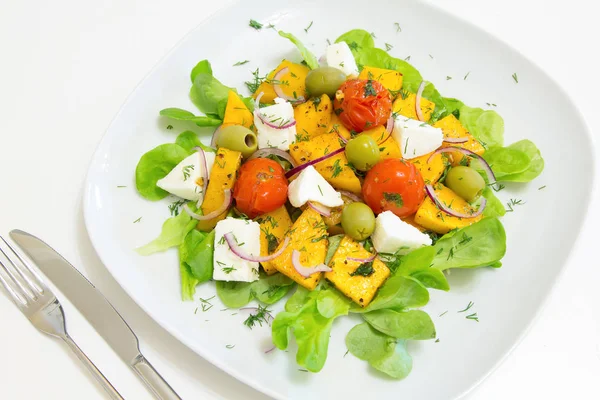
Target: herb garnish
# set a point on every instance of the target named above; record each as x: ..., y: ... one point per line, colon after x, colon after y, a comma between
x: 262, y: 315
x: 395, y: 198
x: 241, y: 63
x: 174, y: 207
x: 308, y: 27
x: 364, y: 269
x: 255, y: 24
x: 186, y: 171
x: 466, y: 76
x: 388, y: 46
x: 337, y: 169
x: 471, y: 304
x: 369, y: 89
x: 398, y: 28
x: 206, y: 304
x: 137, y: 220
x: 515, y: 77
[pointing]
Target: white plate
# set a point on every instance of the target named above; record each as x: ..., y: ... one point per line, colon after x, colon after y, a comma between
x: 540, y: 233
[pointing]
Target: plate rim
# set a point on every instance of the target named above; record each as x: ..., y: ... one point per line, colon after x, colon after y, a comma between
x: 181, y: 337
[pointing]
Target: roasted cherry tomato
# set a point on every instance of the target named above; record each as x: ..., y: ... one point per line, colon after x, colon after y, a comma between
x: 261, y: 187
x: 362, y: 104
x: 394, y: 185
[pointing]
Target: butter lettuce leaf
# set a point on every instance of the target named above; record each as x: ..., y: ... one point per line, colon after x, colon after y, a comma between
x: 268, y: 289
x: 173, y: 232
x: 307, y: 55
x: 184, y: 115
x: 155, y: 165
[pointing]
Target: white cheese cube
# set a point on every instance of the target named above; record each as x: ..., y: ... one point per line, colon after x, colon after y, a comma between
x: 280, y: 114
x: 311, y: 186
x: 393, y: 235
x: 339, y: 55
x: 416, y: 138
x: 185, y: 179
x: 227, y: 265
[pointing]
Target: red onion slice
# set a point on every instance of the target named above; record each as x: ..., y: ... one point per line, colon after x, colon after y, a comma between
x: 418, y: 101
x: 488, y: 170
x: 351, y: 196
x: 389, y: 127
x: 226, y: 203
x: 300, y: 168
x: 431, y: 193
x: 277, y: 77
x: 307, y: 271
x: 456, y: 140
x: 362, y: 260
x: 238, y: 251
x: 264, y: 153
x: 213, y: 140
x: 269, y: 350
x: 203, y: 174
x: 343, y: 139
x: 320, y: 208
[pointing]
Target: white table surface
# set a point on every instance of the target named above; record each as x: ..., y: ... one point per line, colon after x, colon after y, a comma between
x: 66, y: 68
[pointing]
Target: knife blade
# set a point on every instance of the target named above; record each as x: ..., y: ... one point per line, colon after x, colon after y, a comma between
x: 95, y: 308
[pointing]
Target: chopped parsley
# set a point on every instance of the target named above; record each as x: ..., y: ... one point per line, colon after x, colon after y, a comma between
x: 369, y: 89
x: 255, y: 24
x: 395, y: 198
x: 364, y: 269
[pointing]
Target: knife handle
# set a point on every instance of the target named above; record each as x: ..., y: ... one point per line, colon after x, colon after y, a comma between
x: 153, y: 380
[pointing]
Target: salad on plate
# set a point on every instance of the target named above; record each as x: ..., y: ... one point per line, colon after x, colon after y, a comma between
x: 348, y: 182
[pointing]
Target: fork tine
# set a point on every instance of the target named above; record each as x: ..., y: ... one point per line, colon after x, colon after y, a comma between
x: 36, y: 283
x: 17, y: 297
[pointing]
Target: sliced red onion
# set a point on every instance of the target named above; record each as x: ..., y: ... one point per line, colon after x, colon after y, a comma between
x: 203, y: 174
x: 362, y: 260
x: 389, y: 127
x: 418, y: 101
x: 343, y: 139
x: 264, y: 153
x: 320, y: 208
x: 456, y: 140
x: 277, y: 77
x: 488, y: 170
x: 226, y: 203
x: 300, y: 168
x: 307, y: 271
x: 431, y: 193
x: 257, y: 101
x: 213, y: 141
x: 351, y: 196
x: 269, y: 350
x: 238, y: 251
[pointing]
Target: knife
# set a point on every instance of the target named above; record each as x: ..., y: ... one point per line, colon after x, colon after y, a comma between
x: 95, y: 308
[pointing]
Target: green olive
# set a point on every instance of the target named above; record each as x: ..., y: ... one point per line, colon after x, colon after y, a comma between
x: 465, y: 182
x: 324, y: 80
x: 238, y: 138
x: 358, y: 221
x: 363, y: 152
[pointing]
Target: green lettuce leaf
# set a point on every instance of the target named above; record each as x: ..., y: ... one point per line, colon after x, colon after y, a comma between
x: 382, y: 352
x: 506, y: 161
x: 183, y: 115
x: 477, y: 245
x: 188, y: 282
x: 432, y: 278
x: 487, y: 126
x: 268, y: 289
x: 209, y: 95
x: 188, y: 279
x: 309, y: 326
x: 357, y: 40
x: 188, y: 140
x: 196, y: 252
x: 397, y: 293
x: 536, y: 165
x: 494, y: 207
x: 307, y: 55
x: 173, y: 232
x: 203, y: 67
x: 155, y: 165
x: 413, y: 324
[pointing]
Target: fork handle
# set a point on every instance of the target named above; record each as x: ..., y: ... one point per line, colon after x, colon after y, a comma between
x: 99, y: 376
x: 153, y: 380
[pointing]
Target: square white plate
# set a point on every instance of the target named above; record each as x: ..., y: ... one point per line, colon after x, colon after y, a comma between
x: 540, y: 233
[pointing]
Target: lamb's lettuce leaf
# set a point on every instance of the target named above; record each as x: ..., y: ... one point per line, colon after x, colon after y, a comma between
x: 267, y: 289
x: 486, y: 125
x: 184, y: 115
x: 411, y: 324
x: 173, y: 232
x: 155, y: 165
x: 188, y: 140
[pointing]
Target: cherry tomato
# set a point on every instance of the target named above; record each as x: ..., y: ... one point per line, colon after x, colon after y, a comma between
x: 362, y: 104
x: 261, y: 187
x: 394, y: 185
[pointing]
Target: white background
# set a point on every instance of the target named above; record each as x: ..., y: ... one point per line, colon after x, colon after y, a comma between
x: 66, y: 67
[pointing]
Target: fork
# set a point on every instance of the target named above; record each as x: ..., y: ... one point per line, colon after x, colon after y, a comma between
x: 37, y: 302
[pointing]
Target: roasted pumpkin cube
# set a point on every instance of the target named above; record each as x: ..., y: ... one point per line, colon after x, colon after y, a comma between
x: 236, y: 112
x: 405, y: 105
x: 222, y: 177
x: 292, y: 83
x: 431, y: 217
x: 313, y: 117
x: 308, y: 236
x: 273, y: 227
x: 336, y: 126
x: 388, y: 148
x: 390, y: 79
x: 431, y: 171
x: 452, y: 128
x: 335, y: 169
x: 359, y: 281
